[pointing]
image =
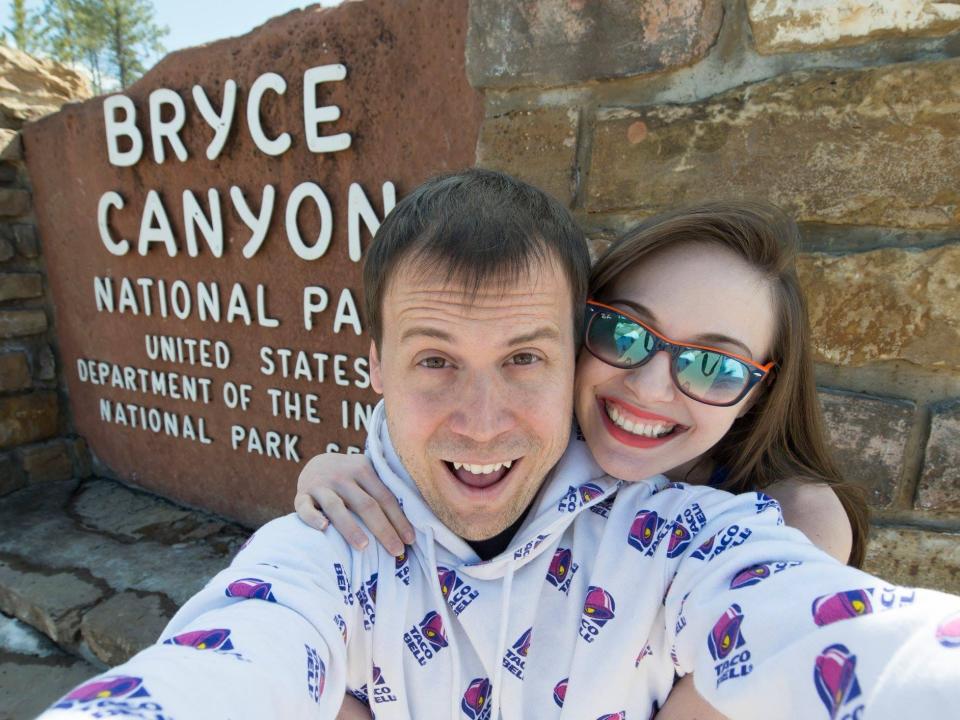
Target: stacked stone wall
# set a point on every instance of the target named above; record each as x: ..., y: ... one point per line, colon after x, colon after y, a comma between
x: 36, y: 439
x: 844, y: 113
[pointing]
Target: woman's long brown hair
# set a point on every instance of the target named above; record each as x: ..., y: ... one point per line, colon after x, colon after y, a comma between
x: 781, y: 436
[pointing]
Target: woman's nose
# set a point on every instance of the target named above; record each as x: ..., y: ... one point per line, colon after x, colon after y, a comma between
x: 652, y: 382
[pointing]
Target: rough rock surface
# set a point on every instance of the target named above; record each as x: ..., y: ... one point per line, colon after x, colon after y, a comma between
x: 915, y: 558
x: 31, y: 88
x: 790, y: 25
x: 939, y: 489
x: 866, y: 147
x: 556, y: 42
x: 868, y: 438
x: 887, y: 304
x: 142, y: 616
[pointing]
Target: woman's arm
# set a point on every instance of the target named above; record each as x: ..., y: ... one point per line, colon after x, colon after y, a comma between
x: 353, y: 709
x: 685, y: 703
x: 815, y: 510
x: 335, y: 486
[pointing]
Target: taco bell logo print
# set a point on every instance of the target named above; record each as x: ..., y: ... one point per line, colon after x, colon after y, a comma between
x: 598, y: 610
x: 835, y: 677
x: 841, y: 606
x: 516, y: 657
x: 645, y: 530
x: 560, y: 692
x: 622, y: 715
x: 367, y: 599
x: 403, y: 567
x: 474, y: 703
x: 316, y: 674
x: 757, y: 573
x: 561, y: 570
x: 577, y: 496
x: 725, y: 642
x: 455, y: 591
x: 124, y: 694
x: 427, y: 638
x: 381, y: 691
x: 948, y: 632
x: 343, y: 584
x: 679, y: 540
x: 251, y: 589
x: 218, y: 639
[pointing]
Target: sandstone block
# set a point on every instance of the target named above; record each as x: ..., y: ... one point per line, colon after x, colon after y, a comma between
x: 868, y: 437
x: 28, y: 418
x: 558, y: 42
x: 8, y: 173
x: 14, y: 371
x: 51, y: 601
x: 800, y: 141
x: 26, y: 239
x: 538, y: 146
x: 20, y: 323
x: 11, y: 476
x: 939, y: 487
x: 50, y: 462
x: 915, y: 558
x: 6, y: 249
x: 123, y: 625
x: 788, y: 25
x: 19, y: 286
x: 887, y: 304
x: 33, y: 87
x: 10, y: 146
x: 46, y: 364
x: 14, y: 203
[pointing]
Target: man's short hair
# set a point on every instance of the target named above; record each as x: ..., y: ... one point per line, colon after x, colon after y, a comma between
x: 478, y: 228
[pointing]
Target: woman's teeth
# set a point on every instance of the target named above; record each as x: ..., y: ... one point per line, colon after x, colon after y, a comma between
x: 645, y: 429
x: 482, y: 469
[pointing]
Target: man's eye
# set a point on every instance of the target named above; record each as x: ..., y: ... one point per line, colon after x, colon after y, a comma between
x: 434, y: 363
x: 524, y: 359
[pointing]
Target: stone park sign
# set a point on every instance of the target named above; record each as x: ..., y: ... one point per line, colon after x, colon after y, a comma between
x: 204, y: 232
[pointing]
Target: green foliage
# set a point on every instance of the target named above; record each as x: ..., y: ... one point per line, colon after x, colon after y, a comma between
x: 111, y: 38
x: 26, y: 29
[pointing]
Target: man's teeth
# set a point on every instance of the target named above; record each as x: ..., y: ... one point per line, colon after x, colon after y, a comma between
x: 482, y: 469
x: 648, y: 429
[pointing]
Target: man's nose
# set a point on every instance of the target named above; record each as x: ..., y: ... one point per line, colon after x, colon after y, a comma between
x: 484, y: 409
x: 653, y: 382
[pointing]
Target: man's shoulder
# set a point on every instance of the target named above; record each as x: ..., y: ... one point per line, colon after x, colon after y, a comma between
x: 289, y: 540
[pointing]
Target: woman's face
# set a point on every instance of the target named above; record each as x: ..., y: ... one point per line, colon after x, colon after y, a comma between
x: 692, y: 292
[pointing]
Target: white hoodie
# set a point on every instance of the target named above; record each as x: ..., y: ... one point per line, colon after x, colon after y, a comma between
x: 606, y: 593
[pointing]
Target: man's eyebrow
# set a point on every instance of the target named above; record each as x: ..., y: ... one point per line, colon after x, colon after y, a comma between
x: 425, y: 331
x: 547, y: 332
x: 705, y: 339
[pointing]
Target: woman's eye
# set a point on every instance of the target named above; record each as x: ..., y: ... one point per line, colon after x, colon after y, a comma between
x: 434, y: 363
x: 524, y: 359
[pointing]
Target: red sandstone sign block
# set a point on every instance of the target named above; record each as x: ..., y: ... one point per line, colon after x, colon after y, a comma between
x: 204, y: 232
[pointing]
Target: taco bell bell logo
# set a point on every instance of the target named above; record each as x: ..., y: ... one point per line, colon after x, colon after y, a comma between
x: 835, y: 677
x: 474, y: 703
x: 598, y: 610
x: 427, y: 638
x: 725, y: 642
x: 561, y: 570
x: 516, y: 657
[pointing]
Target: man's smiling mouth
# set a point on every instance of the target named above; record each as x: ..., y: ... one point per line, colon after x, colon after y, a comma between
x: 480, y: 475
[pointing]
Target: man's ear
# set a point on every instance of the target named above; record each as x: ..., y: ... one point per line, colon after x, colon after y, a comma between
x: 376, y: 375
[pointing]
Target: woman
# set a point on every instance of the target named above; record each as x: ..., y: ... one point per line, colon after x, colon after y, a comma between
x: 695, y: 364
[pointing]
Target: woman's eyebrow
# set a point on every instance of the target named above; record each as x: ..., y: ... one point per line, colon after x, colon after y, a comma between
x: 705, y: 339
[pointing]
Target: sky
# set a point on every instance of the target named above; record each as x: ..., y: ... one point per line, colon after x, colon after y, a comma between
x: 193, y: 22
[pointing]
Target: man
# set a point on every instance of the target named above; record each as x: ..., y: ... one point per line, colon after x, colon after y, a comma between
x: 536, y: 586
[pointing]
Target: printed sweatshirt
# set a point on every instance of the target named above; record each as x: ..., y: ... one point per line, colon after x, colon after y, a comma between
x: 608, y: 592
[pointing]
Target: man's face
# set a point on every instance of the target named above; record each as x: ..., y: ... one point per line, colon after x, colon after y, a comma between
x: 478, y: 391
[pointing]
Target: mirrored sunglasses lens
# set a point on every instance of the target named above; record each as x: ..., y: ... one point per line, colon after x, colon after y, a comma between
x: 711, y: 377
x: 618, y: 341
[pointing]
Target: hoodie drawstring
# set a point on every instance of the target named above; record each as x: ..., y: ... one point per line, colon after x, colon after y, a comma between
x: 501, y: 646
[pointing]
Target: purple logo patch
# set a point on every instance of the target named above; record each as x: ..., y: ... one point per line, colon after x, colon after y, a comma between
x: 725, y: 636
x: 614, y: 716
x: 474, y: 703
x: 598, y: 610
x: 589, y: 492
x: 251, y: 589
x: 750, y: 576
x: 123, y: 686
x: 432, y: 628
x: 948, y: 632
x: 835, y: 677
x: 829, y: 609
x: 218, y: 639
x: 645, y: 529
x: 515, y: 658
x: 679, y: 540
x: 316, y: 674
x: 560, y: 692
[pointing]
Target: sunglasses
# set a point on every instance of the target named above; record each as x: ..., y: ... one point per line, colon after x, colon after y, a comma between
x: 706, y: 374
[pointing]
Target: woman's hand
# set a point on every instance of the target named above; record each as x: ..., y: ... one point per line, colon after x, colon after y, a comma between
x: 353, y: 709
x: 332, y: 485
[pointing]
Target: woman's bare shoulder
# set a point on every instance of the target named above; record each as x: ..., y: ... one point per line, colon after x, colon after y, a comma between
x: 814, y: 509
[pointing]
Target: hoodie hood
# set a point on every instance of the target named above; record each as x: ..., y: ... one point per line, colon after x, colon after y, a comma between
x: 575, y: 484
